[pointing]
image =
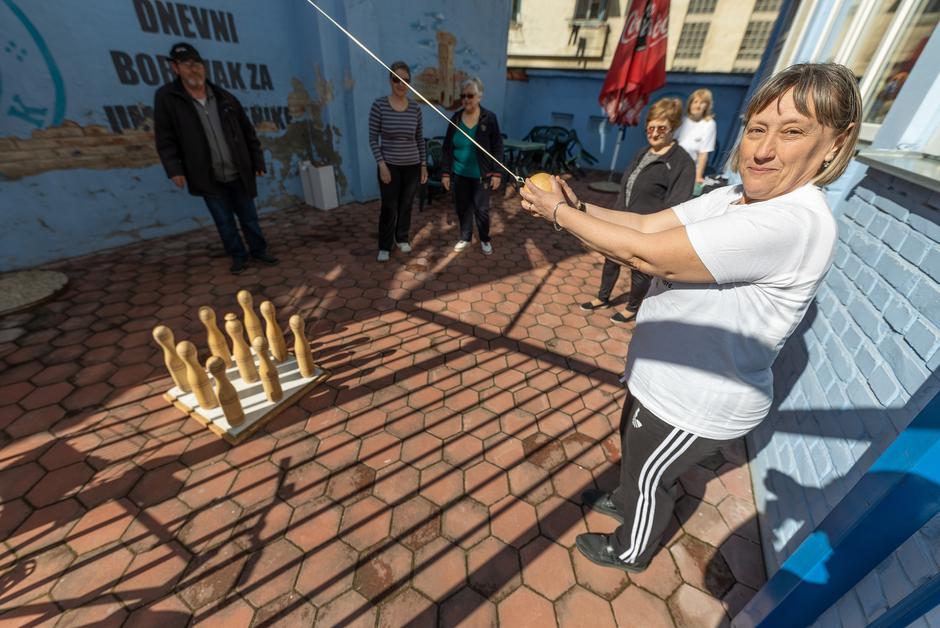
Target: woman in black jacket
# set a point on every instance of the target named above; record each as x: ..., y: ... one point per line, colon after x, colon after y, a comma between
x: 661, y: 175
x: 470, y: 171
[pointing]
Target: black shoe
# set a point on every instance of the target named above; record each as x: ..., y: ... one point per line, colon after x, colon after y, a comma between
x: 238, y: 266
x: 620, y: 318
x: 267, y: 259
x: 600, y: 501
x: 590, y: 307
x: 597, y: 549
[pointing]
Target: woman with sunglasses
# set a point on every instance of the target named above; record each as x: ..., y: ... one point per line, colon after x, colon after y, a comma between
x: 397, y: 141
x: 469, y: 171
x: 661, y: 175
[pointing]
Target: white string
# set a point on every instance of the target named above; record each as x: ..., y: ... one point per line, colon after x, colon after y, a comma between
x: 416, y: 92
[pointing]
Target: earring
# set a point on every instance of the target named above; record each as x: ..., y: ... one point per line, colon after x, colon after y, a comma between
x: 825, y: 164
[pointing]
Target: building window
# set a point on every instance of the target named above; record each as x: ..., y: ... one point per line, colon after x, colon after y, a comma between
x: 879, y: 41
x: 890, y: 77
x: 692, y: 39
x: 683, y: 68
x: 515, y: 10
x: 767, y: 5
x: 755, y: 40
x: 863, y: 46
x: 590, y: 10
x: 702, y: 6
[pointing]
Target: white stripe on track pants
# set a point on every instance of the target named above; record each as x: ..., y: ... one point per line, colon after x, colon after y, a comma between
x: 653, y: 456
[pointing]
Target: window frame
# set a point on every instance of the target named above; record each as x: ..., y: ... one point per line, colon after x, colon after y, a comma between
x: 834, y: 10
x: 693, y: 9
x: 756, y: 52
x: 705, y: 27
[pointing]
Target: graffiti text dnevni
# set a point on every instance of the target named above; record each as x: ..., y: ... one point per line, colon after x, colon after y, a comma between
x: 184, y: 20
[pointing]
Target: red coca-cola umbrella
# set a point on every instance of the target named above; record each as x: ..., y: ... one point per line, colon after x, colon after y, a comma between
x: 638, y: 68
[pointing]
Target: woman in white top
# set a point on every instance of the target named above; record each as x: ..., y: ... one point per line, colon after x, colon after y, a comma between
x: 698, y: 132
x: 734, y: 272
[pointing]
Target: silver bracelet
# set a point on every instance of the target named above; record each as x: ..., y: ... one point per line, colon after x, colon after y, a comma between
x: 555, y: 215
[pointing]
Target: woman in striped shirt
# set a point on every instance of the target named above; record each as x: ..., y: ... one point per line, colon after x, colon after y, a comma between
x: 397, y: 141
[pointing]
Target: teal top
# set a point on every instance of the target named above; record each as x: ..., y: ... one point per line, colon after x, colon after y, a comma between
x: 465, y: 153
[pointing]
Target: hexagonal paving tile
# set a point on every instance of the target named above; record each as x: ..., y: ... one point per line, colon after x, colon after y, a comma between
x: 465, y: 522
x: 524, y: 607
x: 365, y: 523
x: 439, y: 569
x: 494, y: 568
x: 322, y: 585
x: 409, y: 608
x: 580, y: 607
x: 486, y: 483
x: 416, y: 522
x: 351, y: 484
x: 513, y: 521
x: 546, y: 568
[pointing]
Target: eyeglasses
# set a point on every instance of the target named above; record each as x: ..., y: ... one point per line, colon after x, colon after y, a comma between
x: 657, y: 129
x: 467, y: 96
x: 403, y: 80
x: 189, y: 65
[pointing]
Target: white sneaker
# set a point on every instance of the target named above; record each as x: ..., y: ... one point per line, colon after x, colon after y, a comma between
x: 461, y: 245
x: 404, y: 247
x: 487, y: 248
x: 382, y: 257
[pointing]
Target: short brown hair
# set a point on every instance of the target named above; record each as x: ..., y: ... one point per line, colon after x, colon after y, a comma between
x: 398, y: 65
x: 705, y: 94
x: 669, y: 109
x: 837, y: 104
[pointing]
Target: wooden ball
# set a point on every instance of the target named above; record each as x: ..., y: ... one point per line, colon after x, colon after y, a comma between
x: 542, y: 180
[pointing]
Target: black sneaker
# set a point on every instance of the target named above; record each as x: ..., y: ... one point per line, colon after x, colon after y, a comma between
x: 238, y: 266
x: 597, y: 549
x: 600, y: 501
x: 267, y: 259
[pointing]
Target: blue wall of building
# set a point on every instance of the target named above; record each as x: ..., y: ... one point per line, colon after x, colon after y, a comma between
x: 861, y: 366
x: 77, y: 169
x: 569, y: 98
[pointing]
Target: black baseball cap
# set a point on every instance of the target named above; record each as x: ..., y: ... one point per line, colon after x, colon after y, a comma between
x: 184, y: 52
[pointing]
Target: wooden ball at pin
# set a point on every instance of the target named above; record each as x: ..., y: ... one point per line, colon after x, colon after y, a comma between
x: 542, y: 180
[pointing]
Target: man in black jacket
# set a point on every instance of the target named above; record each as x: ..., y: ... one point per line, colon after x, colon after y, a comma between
x: 206, y: 142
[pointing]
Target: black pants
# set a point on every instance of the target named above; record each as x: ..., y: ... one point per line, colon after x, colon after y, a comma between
x: 653, y: 456
x: 236, y: 203
x: 639, y: 284
x: 472, y: 200
x: 398, y: 196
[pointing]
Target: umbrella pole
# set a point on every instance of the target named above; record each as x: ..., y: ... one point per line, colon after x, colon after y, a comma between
x: 609, y: 186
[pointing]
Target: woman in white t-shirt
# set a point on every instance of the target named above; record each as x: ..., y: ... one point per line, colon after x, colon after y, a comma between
x: 698, y: 132
x: 734, y: 272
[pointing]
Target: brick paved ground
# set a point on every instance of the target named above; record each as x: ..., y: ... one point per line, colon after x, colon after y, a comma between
x: 433, y: 481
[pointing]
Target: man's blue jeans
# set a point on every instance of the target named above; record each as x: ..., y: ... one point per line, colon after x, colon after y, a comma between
x: 236, y: 203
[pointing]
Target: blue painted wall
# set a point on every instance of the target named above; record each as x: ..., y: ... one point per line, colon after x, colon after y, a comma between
x: 80, y: 61
x: 548, y: 93
x: 862, y: 365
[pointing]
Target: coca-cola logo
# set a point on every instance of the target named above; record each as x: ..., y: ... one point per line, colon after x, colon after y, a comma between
x: 655, y: 28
